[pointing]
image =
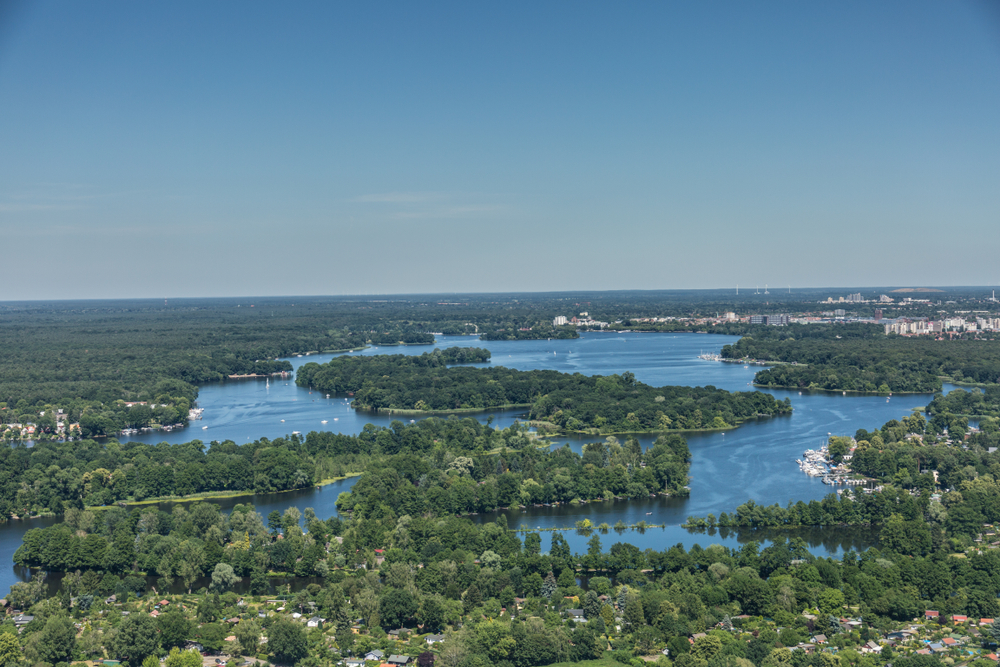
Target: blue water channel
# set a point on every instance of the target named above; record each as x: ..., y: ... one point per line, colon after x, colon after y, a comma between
x: 755, y: 461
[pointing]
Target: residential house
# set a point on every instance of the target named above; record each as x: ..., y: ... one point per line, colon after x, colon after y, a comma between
x: 576, y: 615
x: 931, y: 614
x: 870, y: 647
x: 398, y: 660
x: 374, y: 655
x: 354, y: 662
x: 23, y: 619
x: 434, y: 639
x: 315, y: 622
x: 819, y: 639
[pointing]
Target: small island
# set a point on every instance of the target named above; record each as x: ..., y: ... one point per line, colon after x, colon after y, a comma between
x: 432, y: 383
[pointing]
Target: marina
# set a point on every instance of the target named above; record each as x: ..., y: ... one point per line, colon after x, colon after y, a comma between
x: 817, y: 463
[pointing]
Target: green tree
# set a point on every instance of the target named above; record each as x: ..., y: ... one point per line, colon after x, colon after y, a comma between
x: 10, y: 649
x: 57, y: 640
x: 549, y: 586
x: 831, y: 601
x: 472, y: 598
x: 179, y: 658
x: 431, y: 614
x: 248, y: 635
x: 591, y: 605
x: 135, y: 639
x: 223, y: 577
x: 174, y: 628
x: 397, y: 607
x: 707, y: 647
x: 287, y: 641
x: 633, y: 616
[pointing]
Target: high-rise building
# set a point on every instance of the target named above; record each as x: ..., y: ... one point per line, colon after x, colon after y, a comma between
x: 560, y: 321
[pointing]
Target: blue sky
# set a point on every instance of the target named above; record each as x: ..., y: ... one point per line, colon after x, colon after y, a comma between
x: 211, y: 149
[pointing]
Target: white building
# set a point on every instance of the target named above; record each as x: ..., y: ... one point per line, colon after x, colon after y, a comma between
x: 560, y: 321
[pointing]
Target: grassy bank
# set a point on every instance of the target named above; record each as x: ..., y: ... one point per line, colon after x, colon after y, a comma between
x: 215, y: 495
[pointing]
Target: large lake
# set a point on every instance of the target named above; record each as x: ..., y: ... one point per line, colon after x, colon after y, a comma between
x: 756, y: 460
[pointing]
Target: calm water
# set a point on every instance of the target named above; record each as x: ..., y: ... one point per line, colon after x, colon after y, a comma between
x: 754, y: 461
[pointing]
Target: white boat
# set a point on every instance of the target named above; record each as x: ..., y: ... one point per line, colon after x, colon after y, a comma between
x: 204, y: 428
x: 282, y: 421
x: 323, y: 422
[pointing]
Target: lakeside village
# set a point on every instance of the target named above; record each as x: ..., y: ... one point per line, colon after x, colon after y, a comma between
x: 64, y: 431
x: 243, y: 626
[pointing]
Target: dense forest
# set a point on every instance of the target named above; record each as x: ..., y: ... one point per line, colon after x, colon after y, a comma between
x: 537, y: 332
x: 439, y: 483
x: 975, y: 404
x: 498, y: 468
x: 611, y: 404
x: 859, y: 357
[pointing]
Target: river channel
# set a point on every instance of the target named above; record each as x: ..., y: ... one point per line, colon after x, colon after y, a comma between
x: 755, y: 461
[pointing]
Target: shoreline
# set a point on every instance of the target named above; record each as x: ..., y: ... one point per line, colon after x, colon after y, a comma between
x: 456, y: 411
x: 849, y: 391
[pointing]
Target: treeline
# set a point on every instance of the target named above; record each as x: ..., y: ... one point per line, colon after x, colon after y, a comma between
x: 471, y: 467
x: 446, y: 573
x: 535, y: 332
x: 621, y: 404
x: 438, y: 484
x: 519, y: 474
x: 611, y: 404
x: 974, y: 404
x: 347, y: 374
x: 859, y: 357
